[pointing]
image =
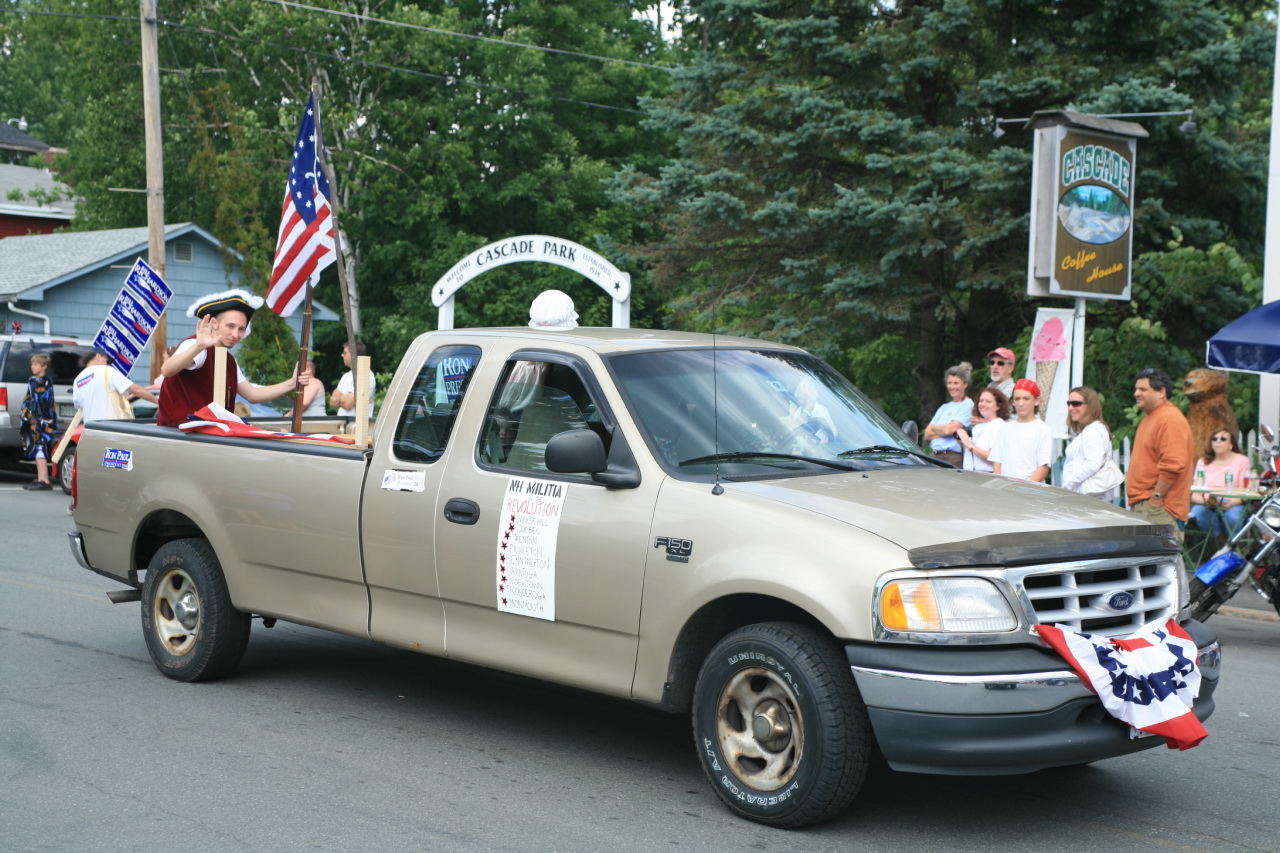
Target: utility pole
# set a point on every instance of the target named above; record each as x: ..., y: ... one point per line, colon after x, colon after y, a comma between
x: 155, y: 168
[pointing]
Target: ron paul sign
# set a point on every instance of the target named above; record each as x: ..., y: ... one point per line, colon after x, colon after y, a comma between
x: 1082, y: 207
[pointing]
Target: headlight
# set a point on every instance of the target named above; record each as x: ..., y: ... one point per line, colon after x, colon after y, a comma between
x: 1271, y: 516
x: 945, y: 605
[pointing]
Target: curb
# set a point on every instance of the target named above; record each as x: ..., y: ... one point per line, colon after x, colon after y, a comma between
x: 1247, y: 613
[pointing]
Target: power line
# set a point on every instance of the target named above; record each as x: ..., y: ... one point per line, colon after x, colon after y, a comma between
x: 447, y: 78
x: 357, y: 16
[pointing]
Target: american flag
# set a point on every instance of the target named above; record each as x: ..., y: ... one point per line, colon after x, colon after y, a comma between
x: 305, y: 245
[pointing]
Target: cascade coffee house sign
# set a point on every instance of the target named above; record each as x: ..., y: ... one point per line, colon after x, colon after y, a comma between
x: 1082, y: 206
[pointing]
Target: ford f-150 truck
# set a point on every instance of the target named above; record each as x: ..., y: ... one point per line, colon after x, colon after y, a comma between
x: 714, y: 526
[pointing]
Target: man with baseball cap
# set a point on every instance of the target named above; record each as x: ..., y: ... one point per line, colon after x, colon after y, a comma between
x: 1002, y: 361
x: 188, y: 385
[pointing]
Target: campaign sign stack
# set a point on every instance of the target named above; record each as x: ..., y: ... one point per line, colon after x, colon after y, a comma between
x: 133, y: 316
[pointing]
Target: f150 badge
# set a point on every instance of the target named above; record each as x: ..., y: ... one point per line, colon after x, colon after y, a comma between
x: 678, y: 550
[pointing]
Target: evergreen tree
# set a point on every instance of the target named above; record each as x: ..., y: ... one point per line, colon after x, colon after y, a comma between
x: 839, y: 185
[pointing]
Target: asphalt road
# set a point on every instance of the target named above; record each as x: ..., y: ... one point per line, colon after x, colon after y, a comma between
x: 322, y: 742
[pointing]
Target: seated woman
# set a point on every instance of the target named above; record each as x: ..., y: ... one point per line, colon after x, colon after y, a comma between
x: 1220, y: 457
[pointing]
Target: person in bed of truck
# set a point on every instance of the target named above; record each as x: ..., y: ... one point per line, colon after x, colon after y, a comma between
x: 188, y: 385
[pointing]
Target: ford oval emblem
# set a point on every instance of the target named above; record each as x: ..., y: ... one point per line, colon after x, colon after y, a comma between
x: 1118, y: 602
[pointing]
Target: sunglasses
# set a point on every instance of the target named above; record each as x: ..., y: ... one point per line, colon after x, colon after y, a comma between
x: 1000, y: 361
x: 1075, y: 403
x: 1221, y: 438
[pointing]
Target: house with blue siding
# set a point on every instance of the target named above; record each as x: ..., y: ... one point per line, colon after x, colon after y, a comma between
x: 65, y: 283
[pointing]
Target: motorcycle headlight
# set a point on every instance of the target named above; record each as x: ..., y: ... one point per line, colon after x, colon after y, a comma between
x: 1270, y: 516
x: 945, y: 605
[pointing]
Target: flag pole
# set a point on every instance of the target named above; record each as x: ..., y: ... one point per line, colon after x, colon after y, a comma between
x: 304, y: 353
x: 339, y: 258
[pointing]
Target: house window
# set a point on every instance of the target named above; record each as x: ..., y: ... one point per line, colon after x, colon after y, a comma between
x: 183, y: 252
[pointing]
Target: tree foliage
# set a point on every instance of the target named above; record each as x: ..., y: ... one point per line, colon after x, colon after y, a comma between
x: 446, y: 129
x: 838, y: 183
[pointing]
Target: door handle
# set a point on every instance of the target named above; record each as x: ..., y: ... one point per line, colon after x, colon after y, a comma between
x: 461, y: 511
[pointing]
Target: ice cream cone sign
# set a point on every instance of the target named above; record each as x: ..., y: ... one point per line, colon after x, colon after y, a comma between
x: 1048, y: 350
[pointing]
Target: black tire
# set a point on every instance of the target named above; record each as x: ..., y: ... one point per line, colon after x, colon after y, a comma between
x: 67, y: 468
x: 192, y: 631
x: 779, y: 726
x: 1204, y: 601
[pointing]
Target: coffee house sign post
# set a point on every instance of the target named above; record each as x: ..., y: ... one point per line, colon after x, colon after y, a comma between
x: 1082, y: 193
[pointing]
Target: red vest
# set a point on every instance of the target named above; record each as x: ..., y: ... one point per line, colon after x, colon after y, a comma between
x: 189, y: 391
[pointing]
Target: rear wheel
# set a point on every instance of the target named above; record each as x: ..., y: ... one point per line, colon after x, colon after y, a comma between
x: 778, y: 724
x: 192, y: 630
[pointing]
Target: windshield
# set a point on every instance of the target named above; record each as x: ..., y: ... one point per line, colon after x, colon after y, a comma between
x: 752, y: 413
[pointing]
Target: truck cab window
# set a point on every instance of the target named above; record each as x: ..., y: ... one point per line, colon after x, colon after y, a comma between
x: 431, y: 409
x: 535, y: 400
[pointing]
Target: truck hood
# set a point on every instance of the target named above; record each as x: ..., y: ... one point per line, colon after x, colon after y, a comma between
x: 951, y: 517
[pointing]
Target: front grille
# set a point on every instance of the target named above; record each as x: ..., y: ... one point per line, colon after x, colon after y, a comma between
x: 1088, y: 597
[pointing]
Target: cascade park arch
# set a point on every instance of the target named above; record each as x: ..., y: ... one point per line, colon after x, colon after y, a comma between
x: 535, y: 247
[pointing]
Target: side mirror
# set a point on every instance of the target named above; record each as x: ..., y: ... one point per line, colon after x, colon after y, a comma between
x: 575, y: 451
x: 1267, y: 433
x: 912, y: 431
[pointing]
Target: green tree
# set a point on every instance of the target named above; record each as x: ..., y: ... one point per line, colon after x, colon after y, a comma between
x: 839, y: 185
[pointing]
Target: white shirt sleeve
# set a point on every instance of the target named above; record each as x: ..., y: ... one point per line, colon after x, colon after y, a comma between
x: 1044, y: 446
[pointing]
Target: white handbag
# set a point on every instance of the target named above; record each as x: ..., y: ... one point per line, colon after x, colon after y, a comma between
x: 1108, y: 477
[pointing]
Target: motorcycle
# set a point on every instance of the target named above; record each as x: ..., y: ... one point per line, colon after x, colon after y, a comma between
x: 1252, y: 554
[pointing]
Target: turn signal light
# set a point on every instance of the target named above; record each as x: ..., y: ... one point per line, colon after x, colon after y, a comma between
x: 945, y: 605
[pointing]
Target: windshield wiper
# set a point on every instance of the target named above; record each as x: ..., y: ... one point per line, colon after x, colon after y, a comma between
x: 764, y: 454
x: 889, y: 448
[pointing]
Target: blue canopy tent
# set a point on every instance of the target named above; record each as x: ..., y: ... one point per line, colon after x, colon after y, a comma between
x: 1250, y: 343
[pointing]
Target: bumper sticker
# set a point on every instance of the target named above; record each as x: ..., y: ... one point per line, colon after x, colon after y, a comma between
x: 122, y: 459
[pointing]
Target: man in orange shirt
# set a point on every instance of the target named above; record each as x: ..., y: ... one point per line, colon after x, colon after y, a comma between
x: 1163, y: 460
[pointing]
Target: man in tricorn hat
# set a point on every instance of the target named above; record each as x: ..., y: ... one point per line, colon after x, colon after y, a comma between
x: 188, y: 384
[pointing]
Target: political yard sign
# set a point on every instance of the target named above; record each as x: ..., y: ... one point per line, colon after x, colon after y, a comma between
x: 133, y: 316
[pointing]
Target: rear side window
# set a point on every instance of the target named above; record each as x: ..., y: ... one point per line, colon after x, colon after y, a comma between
x: 64, y: 361
x: 431, y: 409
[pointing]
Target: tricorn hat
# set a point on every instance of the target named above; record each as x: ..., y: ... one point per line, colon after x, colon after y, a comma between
x: 215, y: 303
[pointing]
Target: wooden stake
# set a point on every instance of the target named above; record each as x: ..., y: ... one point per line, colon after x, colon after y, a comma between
x: 66, y: 437
x: 361, y: 376
x: 220, y: 376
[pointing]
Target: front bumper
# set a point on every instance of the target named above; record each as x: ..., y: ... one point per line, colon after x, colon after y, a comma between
x: 991, y: 711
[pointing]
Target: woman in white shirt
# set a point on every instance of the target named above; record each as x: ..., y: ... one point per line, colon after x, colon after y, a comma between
x: 1090, y: 447
x: 993, y: 406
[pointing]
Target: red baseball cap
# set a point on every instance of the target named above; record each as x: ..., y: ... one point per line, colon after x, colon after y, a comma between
x: 1003, y: 353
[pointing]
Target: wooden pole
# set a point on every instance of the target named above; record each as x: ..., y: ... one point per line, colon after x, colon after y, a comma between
x: 337, y: 246
x: 155, y: 169
x: 304, y: 352
x: 220, y: 377
x: 360, y: 368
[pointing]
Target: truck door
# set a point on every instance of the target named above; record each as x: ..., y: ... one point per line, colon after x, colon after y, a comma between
x: 548, y: 582
x: 401, y: 502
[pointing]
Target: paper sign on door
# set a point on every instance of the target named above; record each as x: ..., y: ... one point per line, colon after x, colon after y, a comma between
x: 526, y: 562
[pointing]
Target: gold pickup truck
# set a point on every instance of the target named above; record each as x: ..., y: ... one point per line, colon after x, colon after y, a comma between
x: 713, y: 526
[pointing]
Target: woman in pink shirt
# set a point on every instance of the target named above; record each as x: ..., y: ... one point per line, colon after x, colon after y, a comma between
x: 1220, y: 457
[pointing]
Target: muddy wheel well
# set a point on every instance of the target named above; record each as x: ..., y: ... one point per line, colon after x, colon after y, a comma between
x: 705, y: 628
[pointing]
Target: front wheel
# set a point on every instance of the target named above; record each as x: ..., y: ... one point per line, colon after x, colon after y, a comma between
x: 778, y: 724
x: 1204, y: 600
x: 192, y: 630
x: 67, y: 469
